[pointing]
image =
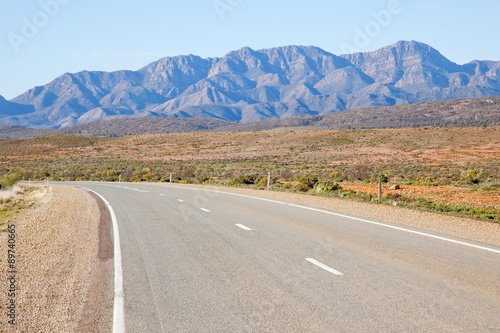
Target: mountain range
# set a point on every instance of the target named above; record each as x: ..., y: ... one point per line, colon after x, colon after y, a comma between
x: 249, y: 86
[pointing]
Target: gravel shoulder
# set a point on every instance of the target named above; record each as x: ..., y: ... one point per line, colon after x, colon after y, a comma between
x: 61, y: 282
x: 468, y: 229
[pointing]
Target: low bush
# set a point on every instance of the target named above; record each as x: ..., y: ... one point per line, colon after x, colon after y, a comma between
x: 473, y: 176
x: 202, y: 180
x: 301, y: 188
x: 328, y: 187
x: 308, y: 180
x: 242, y: 180
x: 8, y: 180
x: 262, y: 181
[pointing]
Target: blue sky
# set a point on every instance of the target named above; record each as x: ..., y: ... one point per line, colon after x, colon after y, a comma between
x: 75, y: 35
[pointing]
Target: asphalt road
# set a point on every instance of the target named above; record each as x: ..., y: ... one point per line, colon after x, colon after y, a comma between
x: 191, y: 264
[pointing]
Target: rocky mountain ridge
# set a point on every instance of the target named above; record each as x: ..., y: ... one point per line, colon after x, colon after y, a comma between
x: 248, y: 86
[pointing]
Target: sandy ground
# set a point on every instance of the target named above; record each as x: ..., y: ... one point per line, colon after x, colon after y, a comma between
x: 468, y: 229
x: 62, y: 283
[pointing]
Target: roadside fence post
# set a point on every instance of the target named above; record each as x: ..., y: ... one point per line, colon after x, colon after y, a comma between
x: 380, y: 189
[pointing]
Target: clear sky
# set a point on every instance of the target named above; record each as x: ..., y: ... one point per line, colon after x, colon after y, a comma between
x: 42, y: 39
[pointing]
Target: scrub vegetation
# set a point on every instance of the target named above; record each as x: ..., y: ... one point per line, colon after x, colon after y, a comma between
x: 449, y: 170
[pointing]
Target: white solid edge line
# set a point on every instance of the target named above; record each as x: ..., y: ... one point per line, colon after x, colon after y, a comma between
x: 180, y: 200
x: 349, y: 217
x: 205, y: 210
x: 399, y: 228
x: 355, y: 218
x: 243, y: 227
x: 119, y: 302
x: 325, y: 267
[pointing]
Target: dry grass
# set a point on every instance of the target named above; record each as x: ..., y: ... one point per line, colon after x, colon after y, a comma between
x: 14, y: 201
x: 390, y: 146
x: 414, y: 156
x: 11, y: 194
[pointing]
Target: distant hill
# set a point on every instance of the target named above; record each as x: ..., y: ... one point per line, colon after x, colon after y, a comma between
x: 10, y: 109
x: 248, y: 86
x: 470, y: 112
x: 473, y: 112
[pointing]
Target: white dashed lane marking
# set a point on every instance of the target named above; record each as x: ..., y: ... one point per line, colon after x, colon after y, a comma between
x: 325, y: 267
x: 243, y: 227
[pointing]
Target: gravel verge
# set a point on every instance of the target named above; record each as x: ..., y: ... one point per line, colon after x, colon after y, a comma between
x: 62, y: 281
x: 468, y: 229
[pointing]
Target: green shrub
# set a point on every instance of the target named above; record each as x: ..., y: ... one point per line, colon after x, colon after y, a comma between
x: 262, y: 181
x: 328, y: 187
x: 301, y: 188
x: 242, y: 180
x: 287, y: 186
x: 308, y: 180
x: 202, y: 179
x: 473, y: 176
x: 8, y: 180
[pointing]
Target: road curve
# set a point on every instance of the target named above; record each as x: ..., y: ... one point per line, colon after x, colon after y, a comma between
x: 207, y: 261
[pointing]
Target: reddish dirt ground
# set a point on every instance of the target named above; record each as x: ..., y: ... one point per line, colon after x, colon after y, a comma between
x: 477, y: 197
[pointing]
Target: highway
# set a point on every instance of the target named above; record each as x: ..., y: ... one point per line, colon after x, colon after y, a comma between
x: 205, y: 261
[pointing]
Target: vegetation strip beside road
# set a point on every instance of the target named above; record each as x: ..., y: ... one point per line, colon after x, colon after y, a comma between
x: 449, y: 170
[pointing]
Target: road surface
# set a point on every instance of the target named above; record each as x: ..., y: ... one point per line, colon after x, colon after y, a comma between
x: 205, y: 261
